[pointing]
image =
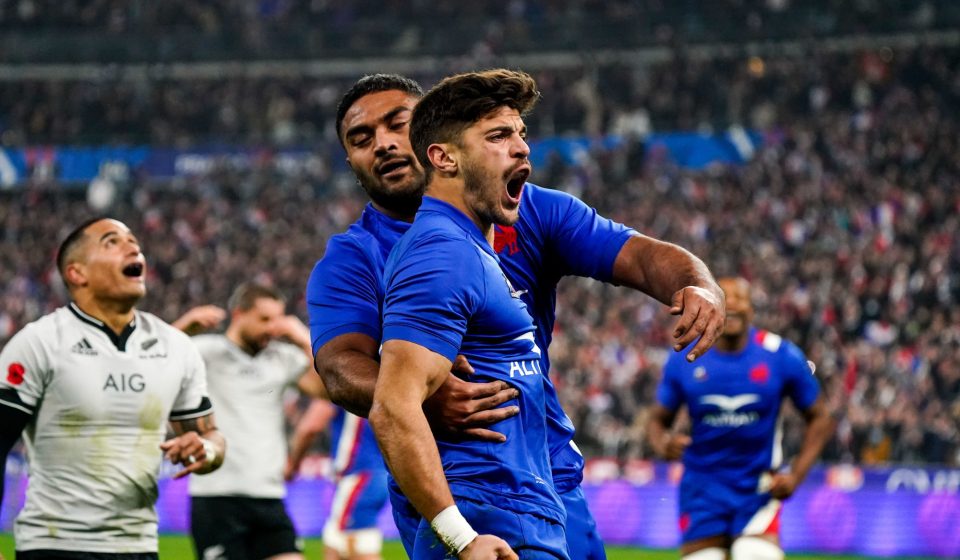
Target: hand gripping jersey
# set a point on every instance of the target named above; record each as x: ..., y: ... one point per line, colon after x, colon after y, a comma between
x: 734, y: 403
x: 247, y: 392
x: 445, y: 291
x: 100, y: 405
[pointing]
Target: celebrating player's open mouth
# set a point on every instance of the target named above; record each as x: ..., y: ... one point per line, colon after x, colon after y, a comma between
x: 515, y: 180
x: 134, y: 270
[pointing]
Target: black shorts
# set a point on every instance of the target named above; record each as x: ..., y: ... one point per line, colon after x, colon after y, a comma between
x: 239, y: 528
x: 67, y: 555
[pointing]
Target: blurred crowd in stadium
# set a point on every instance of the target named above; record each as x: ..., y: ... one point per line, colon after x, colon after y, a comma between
x: 846, y: 219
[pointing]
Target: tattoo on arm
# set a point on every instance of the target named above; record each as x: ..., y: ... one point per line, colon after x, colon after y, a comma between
x: 201, y: 425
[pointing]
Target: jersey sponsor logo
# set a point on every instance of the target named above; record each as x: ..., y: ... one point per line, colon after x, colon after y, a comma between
x: 123, y: 382
x: 505, y: 237
x: 523, y: 368
x: 729, y: 417
x: 15, y: 373
x: 83, y: 347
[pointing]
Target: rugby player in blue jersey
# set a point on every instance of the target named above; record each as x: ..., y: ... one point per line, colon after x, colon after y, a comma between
x: 556, y: 236
x: 445, y: 294
x: 732, y: 486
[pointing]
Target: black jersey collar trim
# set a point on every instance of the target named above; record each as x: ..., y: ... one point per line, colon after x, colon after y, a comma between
x: 118, y: 340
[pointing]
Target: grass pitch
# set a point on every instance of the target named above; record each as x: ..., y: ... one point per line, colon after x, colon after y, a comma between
x: 178, y: 547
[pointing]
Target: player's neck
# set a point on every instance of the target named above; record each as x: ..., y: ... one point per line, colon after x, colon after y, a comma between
x: 394, y: 214
x: 115, y: 314
x: 732, y: 343
x: 451, y: 191
x: 233, y: 335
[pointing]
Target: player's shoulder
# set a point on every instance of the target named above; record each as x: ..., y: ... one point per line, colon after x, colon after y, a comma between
x: 775, y: 344
x: 46, y: 328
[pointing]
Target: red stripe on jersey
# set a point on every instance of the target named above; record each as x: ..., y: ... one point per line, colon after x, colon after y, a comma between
x: 355, y: 446
x: 774, y: 527
x: 363, y: 479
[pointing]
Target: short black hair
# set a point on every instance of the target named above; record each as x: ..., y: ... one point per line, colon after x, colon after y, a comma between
x: 247, y: 294
x: 459, y: 101
x: 72, y: 240
x: 373, y: 83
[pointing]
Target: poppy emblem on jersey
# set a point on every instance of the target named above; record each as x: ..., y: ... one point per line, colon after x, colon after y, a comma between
x: 505, y: 237
x: 15, y: 373
x: 760, y: 373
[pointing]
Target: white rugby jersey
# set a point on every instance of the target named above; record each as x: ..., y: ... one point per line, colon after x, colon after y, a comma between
x: 100, y: 404
x: 247, y: 393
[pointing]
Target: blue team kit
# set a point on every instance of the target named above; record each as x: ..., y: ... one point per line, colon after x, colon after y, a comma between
x: 734, y: 401
x: 557, y: 235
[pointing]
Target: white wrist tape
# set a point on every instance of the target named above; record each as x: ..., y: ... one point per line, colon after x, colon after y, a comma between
x: 453, y: 529
x: 209, y: 450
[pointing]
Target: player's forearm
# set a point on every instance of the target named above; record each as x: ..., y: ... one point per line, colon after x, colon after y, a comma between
x: 658, y: 429
x: 218, y: 444
x: 820, y: 427
x: 350, y: 378
x: 659, y: 269
x: 411, y: 453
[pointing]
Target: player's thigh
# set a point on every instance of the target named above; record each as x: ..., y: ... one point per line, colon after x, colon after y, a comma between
x: 583, y: 540
x: 530, y: 536
x: 758, y: 515
x: 352, y: 527
x: 218, y: 526
x: 706, y: 515
x: 69, y: 555
x: 270, y: 531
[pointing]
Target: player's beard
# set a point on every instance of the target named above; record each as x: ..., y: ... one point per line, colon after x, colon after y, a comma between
x: 403, y: 199
x: 484, y: 193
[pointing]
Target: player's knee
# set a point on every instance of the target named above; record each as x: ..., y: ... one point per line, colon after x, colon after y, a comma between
x: 350, y: 544
x: 755, y: 548
x: 711, y: 553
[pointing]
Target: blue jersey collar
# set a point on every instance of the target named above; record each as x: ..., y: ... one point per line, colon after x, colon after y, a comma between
x: 435, y: 205
x: 381, y: 225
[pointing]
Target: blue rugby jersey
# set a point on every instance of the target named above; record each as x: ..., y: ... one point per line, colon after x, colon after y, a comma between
x: 557, y: 235
x: 734, y: 403
x: 445, y: 291
x: 344, y: 295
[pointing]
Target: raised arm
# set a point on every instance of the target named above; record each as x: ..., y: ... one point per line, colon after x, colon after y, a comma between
x: 675, y: 277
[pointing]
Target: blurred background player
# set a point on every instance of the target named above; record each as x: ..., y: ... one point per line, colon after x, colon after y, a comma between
x: 351, y: 532
x: 556, y: 236
x: 238, y: 513
x: 94, y: 384
x: 732, y: 487
x: 445, y: 294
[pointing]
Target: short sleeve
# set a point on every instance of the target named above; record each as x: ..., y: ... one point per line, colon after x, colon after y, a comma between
x: 431, y: 292
x: 670, y: 391
x: 343, y: 294
x: 26, y: 370
x: 294, y: 361
x: 581, y: 241
x: 192, y: 401
x: 801, y: 382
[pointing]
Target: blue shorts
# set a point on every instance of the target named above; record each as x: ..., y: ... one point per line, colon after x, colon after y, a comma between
x: 530, y: 536
x: 582, y: 537
x: 710, y: 508
x: 405, y: 516
x: 358, y: 499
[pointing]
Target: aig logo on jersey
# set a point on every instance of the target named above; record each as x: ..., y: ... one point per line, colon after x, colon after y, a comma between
x: 123, y: 382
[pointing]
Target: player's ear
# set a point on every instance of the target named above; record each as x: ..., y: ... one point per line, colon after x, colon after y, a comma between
x: 442, y: 158
x: 75, y: 274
